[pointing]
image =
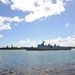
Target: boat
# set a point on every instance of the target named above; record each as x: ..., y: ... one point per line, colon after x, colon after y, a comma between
x: 47, y: 47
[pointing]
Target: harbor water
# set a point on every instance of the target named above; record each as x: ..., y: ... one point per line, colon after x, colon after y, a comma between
x: 39, y: 61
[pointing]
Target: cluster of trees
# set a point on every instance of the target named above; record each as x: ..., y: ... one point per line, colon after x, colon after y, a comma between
x: 12, y: 48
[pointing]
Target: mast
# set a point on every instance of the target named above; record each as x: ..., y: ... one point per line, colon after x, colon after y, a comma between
x: 43, y: 43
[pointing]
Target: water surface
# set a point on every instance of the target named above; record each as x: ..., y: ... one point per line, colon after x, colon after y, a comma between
x: 22, y: 58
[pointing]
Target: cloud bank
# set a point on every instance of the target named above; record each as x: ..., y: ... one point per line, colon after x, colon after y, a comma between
x: 38, y: 8
x: 68, y: 41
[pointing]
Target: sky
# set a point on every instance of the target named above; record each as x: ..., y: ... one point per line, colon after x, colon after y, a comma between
x: 29, y: 22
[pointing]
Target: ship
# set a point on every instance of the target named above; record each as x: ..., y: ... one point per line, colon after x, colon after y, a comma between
x: 47, y: 47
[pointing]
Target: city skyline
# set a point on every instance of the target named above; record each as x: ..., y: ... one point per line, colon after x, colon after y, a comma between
x: 28, y: 23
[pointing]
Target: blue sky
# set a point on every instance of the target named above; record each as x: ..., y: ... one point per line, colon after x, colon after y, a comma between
x: 28, y: 23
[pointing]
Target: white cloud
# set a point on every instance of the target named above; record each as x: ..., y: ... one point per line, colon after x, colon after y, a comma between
x: 15, y: 24
x: 45, y: 10
x: 27, y: 42
x: 69, y: 0
x: 1, y: 36
x: 4, y: 26
x: 24, y: 5
x: 67, y: 25
x: 8, y: 19
x: 38, y: 8
x: 21, y: 42
x: 68, y: 41
x: 5, y: 22
x: 5, y: 1
x: 14, y: 19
